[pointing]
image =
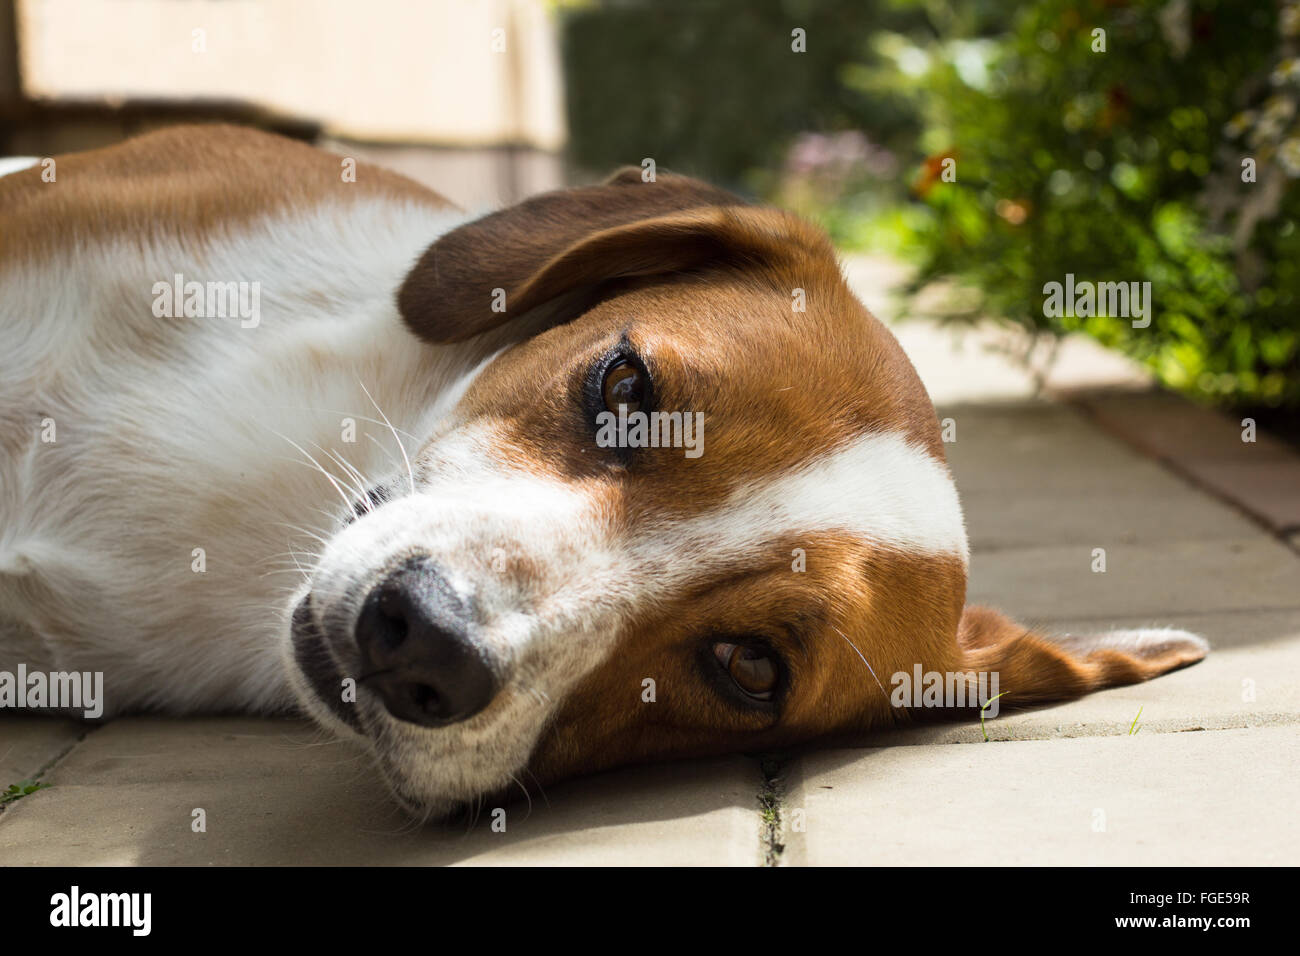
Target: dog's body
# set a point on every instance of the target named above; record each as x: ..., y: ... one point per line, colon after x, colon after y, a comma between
x: 506, y: 591
x: 96, y: 551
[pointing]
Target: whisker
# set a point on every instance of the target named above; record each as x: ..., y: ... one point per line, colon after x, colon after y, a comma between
x: 864, y: 660
x: 365, y: 482
x: 410, y: 473
x: 346, y: 500
x: 335, y: 411
x: 357, y: 483
x: 302, y: 530
x: 540, y: 789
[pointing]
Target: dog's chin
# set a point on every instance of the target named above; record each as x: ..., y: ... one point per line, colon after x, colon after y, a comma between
x: 419, y: 806
x: 423, y: 807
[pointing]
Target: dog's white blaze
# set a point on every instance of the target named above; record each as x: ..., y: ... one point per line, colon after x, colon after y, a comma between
x: 879, y: 487
x: 13, y: 164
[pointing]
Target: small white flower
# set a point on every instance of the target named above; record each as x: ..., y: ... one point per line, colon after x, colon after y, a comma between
x: 1266, y: 131
x: 1279, y: 109
x: 1288, y: 155
x: 1273, y: 120
x: 1289, y: 21
x: 1240, y: 123
x: 1286, y: 71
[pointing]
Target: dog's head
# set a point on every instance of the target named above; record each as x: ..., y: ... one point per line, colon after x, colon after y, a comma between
x: 699, y: 505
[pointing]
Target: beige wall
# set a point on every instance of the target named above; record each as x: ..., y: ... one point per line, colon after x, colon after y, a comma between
x: 476, y: 179
x: 379, y: 71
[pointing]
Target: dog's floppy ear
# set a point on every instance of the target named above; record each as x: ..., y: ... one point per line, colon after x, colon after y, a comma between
x: 1034, y: 668
x: 486, y: 272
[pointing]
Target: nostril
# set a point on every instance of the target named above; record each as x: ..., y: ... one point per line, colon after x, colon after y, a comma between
x: 426, y: 700
x: 392, y: 613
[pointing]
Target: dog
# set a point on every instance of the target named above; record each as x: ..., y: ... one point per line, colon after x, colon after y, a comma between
x: 279, y: 430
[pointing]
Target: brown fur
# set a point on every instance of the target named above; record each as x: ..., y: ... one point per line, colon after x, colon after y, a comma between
x: 540, y: 248
x: 196, y: 182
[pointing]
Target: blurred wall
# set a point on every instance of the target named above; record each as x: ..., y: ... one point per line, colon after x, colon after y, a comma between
x: 464, y: 95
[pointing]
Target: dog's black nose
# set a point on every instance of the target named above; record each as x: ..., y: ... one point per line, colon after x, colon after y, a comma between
x: 413, y: 633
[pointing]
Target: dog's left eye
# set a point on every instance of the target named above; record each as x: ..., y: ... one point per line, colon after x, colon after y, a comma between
x: 624, y: 385
x: 752, y: 669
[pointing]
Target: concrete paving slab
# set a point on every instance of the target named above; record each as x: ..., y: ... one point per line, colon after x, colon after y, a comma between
x: 1169, y: 426
x: 29, y: 743
x: 274, y: 794
x: 1046, y: 449
x: 1268, y: 488
x: 1141, y: 582
x: 1183, y: 799
x: 1261, y: 476
x: 1132, y: 516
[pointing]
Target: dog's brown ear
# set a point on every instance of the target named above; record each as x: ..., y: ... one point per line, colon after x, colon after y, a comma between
x: 1034, y: 668
x: 486, y: 272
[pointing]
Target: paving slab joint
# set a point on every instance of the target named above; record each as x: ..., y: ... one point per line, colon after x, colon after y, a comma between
x: 1081, y: 404
x: 52, y: 763
x: 771, y: 806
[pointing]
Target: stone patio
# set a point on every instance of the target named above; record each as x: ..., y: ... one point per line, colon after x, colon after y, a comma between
x: 1195, y: 524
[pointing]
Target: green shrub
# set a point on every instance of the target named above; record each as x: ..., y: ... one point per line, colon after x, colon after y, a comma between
x: 1127, y: 165
x: 713, y: 88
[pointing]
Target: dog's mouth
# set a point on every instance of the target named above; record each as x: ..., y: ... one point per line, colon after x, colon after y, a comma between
x: 312, y: 655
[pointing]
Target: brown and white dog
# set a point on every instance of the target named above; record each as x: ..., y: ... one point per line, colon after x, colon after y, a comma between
x: 224, y: 359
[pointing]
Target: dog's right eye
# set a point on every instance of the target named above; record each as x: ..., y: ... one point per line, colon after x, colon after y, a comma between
x: 752, y: 669
x: 624, y: 385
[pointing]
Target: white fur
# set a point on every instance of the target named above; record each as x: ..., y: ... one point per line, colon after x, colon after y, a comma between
x: 878, y: 486
x: 475, y: 516
x: 1140, y: 642
x: 12, y: 164
x: 170, y: 441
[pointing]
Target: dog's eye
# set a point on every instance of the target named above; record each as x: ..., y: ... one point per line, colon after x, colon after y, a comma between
x: 624, y: 385
x: 752, y: 669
